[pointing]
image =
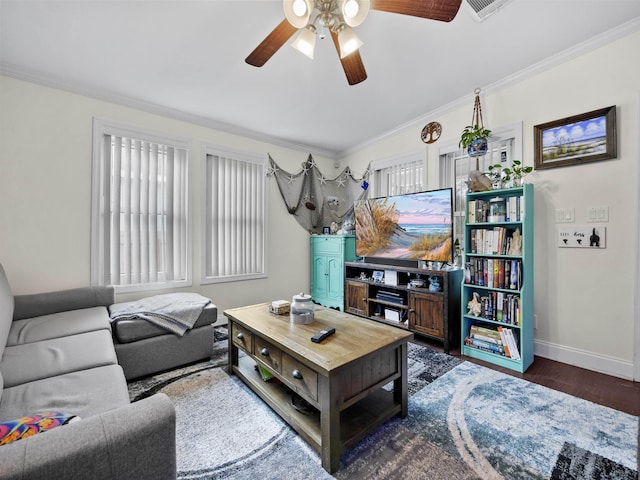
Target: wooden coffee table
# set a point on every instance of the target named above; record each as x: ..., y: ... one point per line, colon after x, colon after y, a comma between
x: 342, y: 377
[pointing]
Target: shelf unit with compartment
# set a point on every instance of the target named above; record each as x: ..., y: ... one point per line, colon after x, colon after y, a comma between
x: 328, y: 254
x: 497, y: 290
x: 432, y: 313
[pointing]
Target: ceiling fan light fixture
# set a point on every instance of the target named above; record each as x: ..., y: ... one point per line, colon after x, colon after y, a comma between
x: 354, y: 11
x: 305, y: 42
x: 298, y: 12
x: 348, y: 41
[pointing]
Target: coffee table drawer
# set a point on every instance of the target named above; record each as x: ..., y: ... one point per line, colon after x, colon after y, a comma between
x: 242, y: 337
x: 303, y: 379
x: 267, y: 353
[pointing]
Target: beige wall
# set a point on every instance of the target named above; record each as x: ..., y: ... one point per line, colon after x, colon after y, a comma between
x: 45, y: 194
x: 584, y: 299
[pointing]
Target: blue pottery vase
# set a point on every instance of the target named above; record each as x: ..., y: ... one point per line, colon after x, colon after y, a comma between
x: 477, y: 148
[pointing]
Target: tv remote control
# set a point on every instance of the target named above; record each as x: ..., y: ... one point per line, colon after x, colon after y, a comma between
x: 322, y: 334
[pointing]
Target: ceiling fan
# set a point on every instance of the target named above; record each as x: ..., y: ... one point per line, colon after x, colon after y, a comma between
x: 337, y: 17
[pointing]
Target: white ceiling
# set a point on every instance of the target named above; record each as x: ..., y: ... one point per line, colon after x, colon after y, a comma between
x: 186, y: 58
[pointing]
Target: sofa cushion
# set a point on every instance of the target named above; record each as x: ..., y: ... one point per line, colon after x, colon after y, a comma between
x: 58, y: 325
x: 38, y: 304
x: 25, y: 427
x: 132, y: 330
x: 85, y: 393
x: 48, y: 358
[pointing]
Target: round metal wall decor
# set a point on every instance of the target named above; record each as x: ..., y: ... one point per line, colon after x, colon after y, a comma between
x: 431, y: 132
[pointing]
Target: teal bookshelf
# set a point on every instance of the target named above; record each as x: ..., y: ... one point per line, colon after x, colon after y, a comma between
x: 499, y: 276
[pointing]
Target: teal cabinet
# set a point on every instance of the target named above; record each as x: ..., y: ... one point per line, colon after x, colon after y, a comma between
x: 497, y: 291
x: 328, y: 255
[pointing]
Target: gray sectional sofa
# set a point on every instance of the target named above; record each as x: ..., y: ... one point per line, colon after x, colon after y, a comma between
x: 57, y: 354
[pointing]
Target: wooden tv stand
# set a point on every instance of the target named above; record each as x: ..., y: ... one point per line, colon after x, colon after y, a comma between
x: 433, y: 314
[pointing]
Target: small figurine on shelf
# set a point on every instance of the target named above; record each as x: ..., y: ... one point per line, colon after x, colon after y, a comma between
x: 474, y: 305
x: 515, y: 247
x: 434, y: 283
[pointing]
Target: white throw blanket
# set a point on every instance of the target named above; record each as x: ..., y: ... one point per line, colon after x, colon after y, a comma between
x: 176, y: 312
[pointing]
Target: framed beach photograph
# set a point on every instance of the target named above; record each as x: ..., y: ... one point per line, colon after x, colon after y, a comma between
x: 588, y: 137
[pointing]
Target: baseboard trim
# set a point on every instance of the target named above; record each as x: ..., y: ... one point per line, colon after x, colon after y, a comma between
x: 583, y: 359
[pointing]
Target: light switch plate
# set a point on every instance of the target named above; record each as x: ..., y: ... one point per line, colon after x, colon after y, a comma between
x: 598, y: 214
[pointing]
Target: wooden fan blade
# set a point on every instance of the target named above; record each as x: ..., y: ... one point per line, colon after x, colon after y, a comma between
x: 442, y: 10
x: 351, y: 64
x: 271, y: 44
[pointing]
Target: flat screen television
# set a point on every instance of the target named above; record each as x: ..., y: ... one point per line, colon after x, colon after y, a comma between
x: 404, y: 229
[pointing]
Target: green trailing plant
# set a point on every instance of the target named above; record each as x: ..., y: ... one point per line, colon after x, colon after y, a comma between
x: 517, y: 171
x: 496, y: 173
x: 471, y: 133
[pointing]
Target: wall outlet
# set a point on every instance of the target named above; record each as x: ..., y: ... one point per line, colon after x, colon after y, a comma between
x: 535, y: 321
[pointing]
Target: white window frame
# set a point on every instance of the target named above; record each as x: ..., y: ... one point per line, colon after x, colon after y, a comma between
x: 447, y: 176
x: 100, y: 192
x: 377, y: 184
x: 209, y: 151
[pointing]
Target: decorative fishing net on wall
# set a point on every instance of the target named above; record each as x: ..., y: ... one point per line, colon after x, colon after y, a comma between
x: 317, y: 201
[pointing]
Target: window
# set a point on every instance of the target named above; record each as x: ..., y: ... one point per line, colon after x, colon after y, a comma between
x: 397, y: 176
x: 140, y: 236
x: 504, y: 145
x: 235, y: 216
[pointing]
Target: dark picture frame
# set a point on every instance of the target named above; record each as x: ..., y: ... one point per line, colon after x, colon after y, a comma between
x: 326, y: 230
x: 588, y: 137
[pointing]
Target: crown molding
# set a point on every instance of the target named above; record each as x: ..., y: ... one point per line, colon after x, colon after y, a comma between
x: 76, y: 88
x: 39, y: 78
x: 571, y: 53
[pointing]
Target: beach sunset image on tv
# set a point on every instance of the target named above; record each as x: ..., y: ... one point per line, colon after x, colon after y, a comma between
x: 415, y: 226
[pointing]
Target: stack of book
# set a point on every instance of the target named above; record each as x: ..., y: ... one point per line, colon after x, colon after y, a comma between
x: 501, y: 307
x: 478, y: 210
x: 500, y: 341
x: 490, y: 241
x: 494, y: 273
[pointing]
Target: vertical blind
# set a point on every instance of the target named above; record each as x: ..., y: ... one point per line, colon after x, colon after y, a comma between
x: 234, y: 218
x: 145, y: 228
x: 400, y: 178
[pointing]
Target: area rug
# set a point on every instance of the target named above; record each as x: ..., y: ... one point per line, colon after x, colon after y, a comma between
x: 464, y: 422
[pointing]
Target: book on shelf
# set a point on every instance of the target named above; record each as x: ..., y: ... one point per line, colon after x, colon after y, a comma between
x: 500, y: 341
x: 484, y: 345
x: 510, y: 342
x: 478, y: 210
x: 490, y: 241
x: 494, y: 273
x: 501, y: 307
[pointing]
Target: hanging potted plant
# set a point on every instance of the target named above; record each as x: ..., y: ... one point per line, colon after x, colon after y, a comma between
x: 474, y: 136
x: 474, y: 139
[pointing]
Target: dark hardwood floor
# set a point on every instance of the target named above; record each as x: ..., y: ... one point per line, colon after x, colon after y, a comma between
x: 613, y: 392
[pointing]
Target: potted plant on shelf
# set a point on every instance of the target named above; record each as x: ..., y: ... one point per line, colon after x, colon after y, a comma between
x: 516, y: 173
x: 497, y: 174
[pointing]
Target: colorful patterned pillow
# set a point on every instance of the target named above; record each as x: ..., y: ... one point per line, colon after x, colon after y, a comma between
x: 24, y: 427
